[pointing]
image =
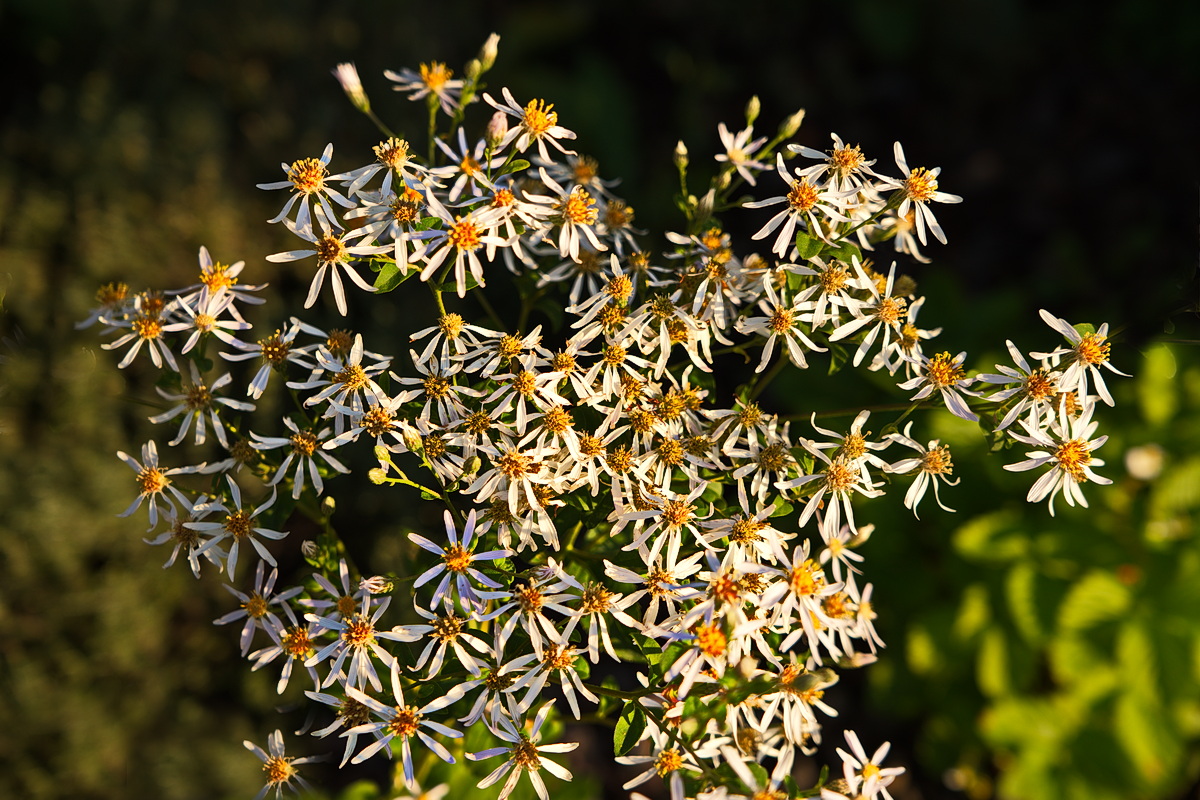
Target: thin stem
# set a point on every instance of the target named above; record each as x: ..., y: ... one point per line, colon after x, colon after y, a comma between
x: 765, y: 379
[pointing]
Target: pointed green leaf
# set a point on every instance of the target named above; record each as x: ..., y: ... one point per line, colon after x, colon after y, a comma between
x: 629, y: 729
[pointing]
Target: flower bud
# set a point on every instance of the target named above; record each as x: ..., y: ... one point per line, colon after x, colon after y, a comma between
x: 347, y: 76
x: 474, y: 70
x: 412, y: 438
x: 308, y: 548
x: 752, y: 109
x: 791, y: 124
x: 377, y: 476
x: 471, y: 468
x: 382, y: 455
x: 497, y: 129
x: 376, y: 585
x: 681, y: 155
x: 487, y: 54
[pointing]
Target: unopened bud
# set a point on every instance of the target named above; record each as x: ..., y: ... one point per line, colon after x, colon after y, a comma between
x: 377, y: 476
x: 347, y: 76
x: 412, y: 438
x: 474, y: 70
x: 864, y: 532
x: 308, y: 548
x: 752, y: 109
x: 704, y: 207
x: 487, y: 53
x: 791, y: 124
x: 382, y: 455
x: 471, y: 468
x: 328, y: 504
x: 723, y: 180
x: 376, y: 585
x: 681, y: 155
x: 497, y: 129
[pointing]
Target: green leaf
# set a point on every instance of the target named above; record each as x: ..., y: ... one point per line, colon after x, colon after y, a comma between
x: 516, y: 165
x: 808, y: 246
x: 425, y: 223
x: 845, y: 251
x: 629, y: 729
x: 1157, y: 390
x: 390, y: 276
x: 782, y: 508
x: 1098, y: 597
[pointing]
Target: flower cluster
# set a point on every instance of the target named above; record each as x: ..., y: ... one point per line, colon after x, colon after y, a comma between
x: 603, y: 501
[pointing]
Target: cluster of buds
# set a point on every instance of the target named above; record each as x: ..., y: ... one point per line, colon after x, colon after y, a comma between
x: 603, y: 502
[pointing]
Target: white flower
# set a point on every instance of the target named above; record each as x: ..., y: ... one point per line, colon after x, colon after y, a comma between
x: 740, y: 151
x: 307, y: 178
x: 334, y: 256
x: 537, y: 122
x: 154, y: 482
x: 239, y: 526
x: 1068, y: 448
x: 524, y: 754
x: 920, y: 188
x: 280, y: 769
x: 1088, y: 352
x: 404, y: 722
x: 804, y: 201
x: 934, y: 464
x: 433, y: 79
x: 945, y: 374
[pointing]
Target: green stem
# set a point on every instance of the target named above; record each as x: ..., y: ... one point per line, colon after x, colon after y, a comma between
x: 765, y: 379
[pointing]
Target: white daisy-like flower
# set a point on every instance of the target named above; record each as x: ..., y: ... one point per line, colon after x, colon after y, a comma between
x: 524, y: 753
x: 537, y: 122
x: 434, y: 79
x: 194, y: 402
x: 1066, y: 446
x: 1033, y: 388
x: 404, y: 722
x: 154, y: 482
x: 279, y: 768
x: 1087, y: 353
x: 932, y: 466
x: 807, y: 205
x: 308, y: 179
x: 305, y: 447
x: 944, y: 373
x: 238, y: 525
x: 920, y: 187
x: 456, y: 567
x: 334, y: 256
x: 740, y: 151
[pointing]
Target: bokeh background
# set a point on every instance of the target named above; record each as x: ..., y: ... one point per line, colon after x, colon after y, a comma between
x: 1028, y: 656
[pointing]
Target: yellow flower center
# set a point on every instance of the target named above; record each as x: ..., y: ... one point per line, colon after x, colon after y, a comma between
x: 538, y: 118
x: 920, y: 185
x: 942, y: 371
x: 464, y: 234
x: 307, y: 175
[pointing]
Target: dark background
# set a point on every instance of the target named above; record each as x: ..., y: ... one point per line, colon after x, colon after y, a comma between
x: 132, y: 132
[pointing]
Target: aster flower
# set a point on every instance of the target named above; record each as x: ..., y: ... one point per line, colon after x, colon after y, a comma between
x: 238, y: 525
x: 305, y: 447
x: 740, y: 151
x: 456, y: 566
x: 944, y: 373
x: 804, y: 202
x: 295, y: 641
x: 932, y: 466
x: 358, y: 638
x: 1066, y: 446
x: 279, y: 768
x: 334, y: 256
x: 434, y: 79
x: 276, y: 352
x: 1034, y: 389
x: 1088, y: 352
x: 843, y: 168
x: 920, y: 188
x: 867, y: 774
x: 255, y: 607
x: 154, y: 482
x: 194, y: 402
x: 308, y: 180
x: 146, y: 327
x: 524, y: 754
x: 537, y: 122
x: 181, y: 536
x: 404, y: 722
